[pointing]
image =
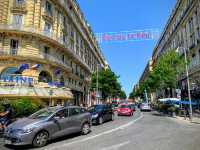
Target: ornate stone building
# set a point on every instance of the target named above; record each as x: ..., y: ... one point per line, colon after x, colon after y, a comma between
x: 182, y: 31
x: 50, y: 42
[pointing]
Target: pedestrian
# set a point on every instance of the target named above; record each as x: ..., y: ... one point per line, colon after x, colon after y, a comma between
x: 5, y: 116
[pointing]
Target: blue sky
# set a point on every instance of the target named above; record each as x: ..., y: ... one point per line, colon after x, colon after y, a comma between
x: 127, y: 59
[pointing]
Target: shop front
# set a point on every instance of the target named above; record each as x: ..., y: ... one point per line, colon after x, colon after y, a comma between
x: 31, y: 82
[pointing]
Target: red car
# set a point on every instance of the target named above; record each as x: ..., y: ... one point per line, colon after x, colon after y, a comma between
x: 125, y: 110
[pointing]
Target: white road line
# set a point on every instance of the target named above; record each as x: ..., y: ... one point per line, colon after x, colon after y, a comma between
x: 97, y: 135
x: 116, y: 146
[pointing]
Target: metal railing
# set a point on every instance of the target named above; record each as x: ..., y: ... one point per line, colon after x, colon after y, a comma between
x: 19, y: 4
x: 41, y: 55
x: 50, y: 35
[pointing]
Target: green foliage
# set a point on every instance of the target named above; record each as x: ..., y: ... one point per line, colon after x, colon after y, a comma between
x: 122, y: 95
x: 24, y: 106
x: 108, y: 84
x: 164, y: 74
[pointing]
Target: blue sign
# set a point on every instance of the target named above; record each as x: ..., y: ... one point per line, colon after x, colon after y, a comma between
x: 18, y: 79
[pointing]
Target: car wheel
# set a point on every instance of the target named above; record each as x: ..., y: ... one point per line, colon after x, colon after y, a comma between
x: 100, y: 120
x: 40, y: 139
x: 85, y: 128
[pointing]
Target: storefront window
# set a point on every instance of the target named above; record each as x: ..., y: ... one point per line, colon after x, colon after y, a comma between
x: 7, y: 73
x: 45, y: 77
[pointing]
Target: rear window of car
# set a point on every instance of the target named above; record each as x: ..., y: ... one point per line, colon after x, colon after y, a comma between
x: 124, y: 106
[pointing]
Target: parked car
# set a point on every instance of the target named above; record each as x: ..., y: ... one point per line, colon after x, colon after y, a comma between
x: 133, y: 107
x: 114, y: 106
x: 48, y: 123
x: 145, y: 107
x: 125, y: 110
x: 101, y: 113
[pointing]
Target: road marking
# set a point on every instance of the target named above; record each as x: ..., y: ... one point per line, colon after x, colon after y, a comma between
x: 98, y: 135
x: 116, y: 146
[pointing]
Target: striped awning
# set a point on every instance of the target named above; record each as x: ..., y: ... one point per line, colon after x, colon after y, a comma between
x: 35, y: 92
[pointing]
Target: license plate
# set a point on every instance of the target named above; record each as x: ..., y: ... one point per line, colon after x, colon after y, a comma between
x: 8, y: 142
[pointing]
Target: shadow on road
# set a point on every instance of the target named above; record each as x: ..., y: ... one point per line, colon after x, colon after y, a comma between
x: 159, y: 114
x: 26, y: 147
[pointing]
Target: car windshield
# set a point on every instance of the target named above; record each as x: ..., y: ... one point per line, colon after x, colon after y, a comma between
x: 43, y: 114
x: 95, y: 108
x: 124, y: 106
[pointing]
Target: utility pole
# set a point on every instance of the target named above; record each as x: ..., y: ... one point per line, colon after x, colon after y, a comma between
x: 146, y: 96
x: 188, y: 80
x: 97, y: 85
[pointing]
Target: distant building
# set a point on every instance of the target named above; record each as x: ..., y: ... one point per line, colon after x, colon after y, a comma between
x: 183, y: 31
x: 54, y: 43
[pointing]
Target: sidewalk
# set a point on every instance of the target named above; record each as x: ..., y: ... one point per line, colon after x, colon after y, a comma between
x: 195, y: 120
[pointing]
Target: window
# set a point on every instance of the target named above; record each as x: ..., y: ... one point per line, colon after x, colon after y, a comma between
x: 48, y: 8
x: 47, y: 27
x: 7, y: 73
x: 17, y: 19
x: 192, y: 39
x: 61, y: 114
x: 13, y: 46
x: 74, y: 111
x: 46, y: 50
x: 193, y: 61
x: 198, y: 33
x: 191, y: 29
x: 19, y: 2
x: 63, y: 58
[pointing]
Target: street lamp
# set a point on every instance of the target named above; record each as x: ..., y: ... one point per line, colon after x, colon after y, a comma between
x: 187, y: 76
x: 97, y: 84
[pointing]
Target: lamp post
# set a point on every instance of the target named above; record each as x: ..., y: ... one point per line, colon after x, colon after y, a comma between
x: 97, y: 83
x: 187, y: 77
x: 146, y: 96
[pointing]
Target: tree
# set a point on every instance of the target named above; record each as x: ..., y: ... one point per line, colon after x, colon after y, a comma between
x: 165, y: 73
x: 122, y: 95
x: 107, y: 83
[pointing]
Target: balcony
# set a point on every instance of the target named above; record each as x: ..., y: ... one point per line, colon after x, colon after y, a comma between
x: 47, y: 36
x: 19, y: 6
x: 48, y: 15
x: 53, y: 60
x: 41, y: 57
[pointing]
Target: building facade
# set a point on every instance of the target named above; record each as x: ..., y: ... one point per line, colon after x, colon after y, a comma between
x: 50, y: 42
x: 182, y: 31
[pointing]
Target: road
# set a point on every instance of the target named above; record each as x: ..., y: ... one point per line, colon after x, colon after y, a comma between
x: 141, y: 132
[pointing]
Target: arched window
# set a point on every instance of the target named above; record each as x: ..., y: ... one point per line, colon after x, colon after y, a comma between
x: 44, y: 76
x: 7, y: 73
x: 62, y: 81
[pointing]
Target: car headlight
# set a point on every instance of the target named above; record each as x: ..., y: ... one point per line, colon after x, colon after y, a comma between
x: 95, y: 116
x: 25, y: 131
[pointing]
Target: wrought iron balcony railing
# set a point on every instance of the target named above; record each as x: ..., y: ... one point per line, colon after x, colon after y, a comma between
x: 19, y: 5
x: 41, y: 55
x: 50, y: 35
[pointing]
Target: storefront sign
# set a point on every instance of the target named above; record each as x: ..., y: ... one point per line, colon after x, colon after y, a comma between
x: 18, y: 79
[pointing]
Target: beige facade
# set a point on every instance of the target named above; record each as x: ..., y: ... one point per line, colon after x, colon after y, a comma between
x: 53, y: 34
x: 183, y: 31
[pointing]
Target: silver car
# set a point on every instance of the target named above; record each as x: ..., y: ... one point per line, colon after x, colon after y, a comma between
x: 145, y: 107
x: 46, y: 124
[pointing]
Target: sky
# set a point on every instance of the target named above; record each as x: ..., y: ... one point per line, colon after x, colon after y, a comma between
x: 127, y: 59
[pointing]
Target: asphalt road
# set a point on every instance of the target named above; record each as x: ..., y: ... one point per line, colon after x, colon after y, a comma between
x: 143, y: 131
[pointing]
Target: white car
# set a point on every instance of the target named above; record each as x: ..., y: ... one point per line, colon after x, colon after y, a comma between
x: 145, y: 107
